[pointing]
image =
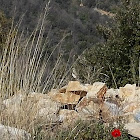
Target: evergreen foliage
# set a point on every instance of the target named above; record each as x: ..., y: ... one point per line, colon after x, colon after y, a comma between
x: 117, y: 57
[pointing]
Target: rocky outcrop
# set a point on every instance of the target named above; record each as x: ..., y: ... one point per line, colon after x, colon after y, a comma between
x: 88, y: 108
x: 97, y: 90
x: 77, y: 101
x: 66, y: 98
x: 128, y: 91
x: 39, y: 106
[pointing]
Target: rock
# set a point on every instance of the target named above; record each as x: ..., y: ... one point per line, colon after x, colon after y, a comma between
x: 109, y: 111
x: 128, y: 91
x: 137, y: 116
x: 112, y: 108
x: 37, y: 106
x: 133, y: 129
x: 53, y: 93
x: 131, y: 106
x: 98, y: 90
x: 48, y: 109
x: 75, y: 86
x: 81, y: 93
x: 66, y: 98
x: 112, y: 93
x: 63, y: 89
x: 128, y: 118
x: 88, y: 108
x: 130, y: 110
x: 88, y: 87
x: 43, y: 107
x: 68, y: 117
x: 11, y: 133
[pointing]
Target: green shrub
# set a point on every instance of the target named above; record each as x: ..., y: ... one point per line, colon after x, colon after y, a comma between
x: 118, y: 55
x: 87, y: 131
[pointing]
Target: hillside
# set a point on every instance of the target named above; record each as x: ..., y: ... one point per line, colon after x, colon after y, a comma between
x: 79, y: 23
x: 69, y: 70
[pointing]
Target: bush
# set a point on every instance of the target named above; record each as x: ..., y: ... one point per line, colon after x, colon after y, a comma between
x: 118, y: 56
x: 90, y: 130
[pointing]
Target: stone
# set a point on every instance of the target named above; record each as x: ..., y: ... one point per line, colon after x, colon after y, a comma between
x: 131, y: 107
x: 98, y: 90
x: 133, y: 129
x: 112, y: 93
x: 88, y: 108
x: 66, y: 98
x: 37, y: 105
x: 112, y: 108
x: 68, y: 117
x: 109, y: 111
x: 63, y: 89
x: 75, y: 86
x: 43, y: 107
x: 128, y: 91
x: 11, y: 133
x: 48, y: 109
x: 127, y: 118
x: 137, y: 116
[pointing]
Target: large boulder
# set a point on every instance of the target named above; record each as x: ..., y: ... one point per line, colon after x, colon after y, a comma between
x: 43, y: 107
x: 77, y: 88
x: 128, y: 92
x: 65, y: 98
x: 11, y: 133
x: 130, y: 110
x: 88, y: 108
x: 36, y: 105
x: 109, y: 111
x: 130, y: 106
x: 112, y: 93
x: 48, y: 109
x: 97, y: 90
x: 133, y: 129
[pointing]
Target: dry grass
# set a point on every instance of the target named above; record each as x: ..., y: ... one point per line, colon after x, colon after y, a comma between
x: 25, y: 66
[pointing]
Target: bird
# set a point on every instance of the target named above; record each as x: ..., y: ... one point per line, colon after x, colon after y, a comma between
x: 74, y: 73
x: 81, y: 4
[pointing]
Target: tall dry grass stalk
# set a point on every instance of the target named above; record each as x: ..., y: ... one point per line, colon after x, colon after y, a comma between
x: 23, y: 63
x: 26, y: 67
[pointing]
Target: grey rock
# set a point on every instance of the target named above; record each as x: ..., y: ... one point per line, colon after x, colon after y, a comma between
x: 133, y: 129
x: 137, y: 116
